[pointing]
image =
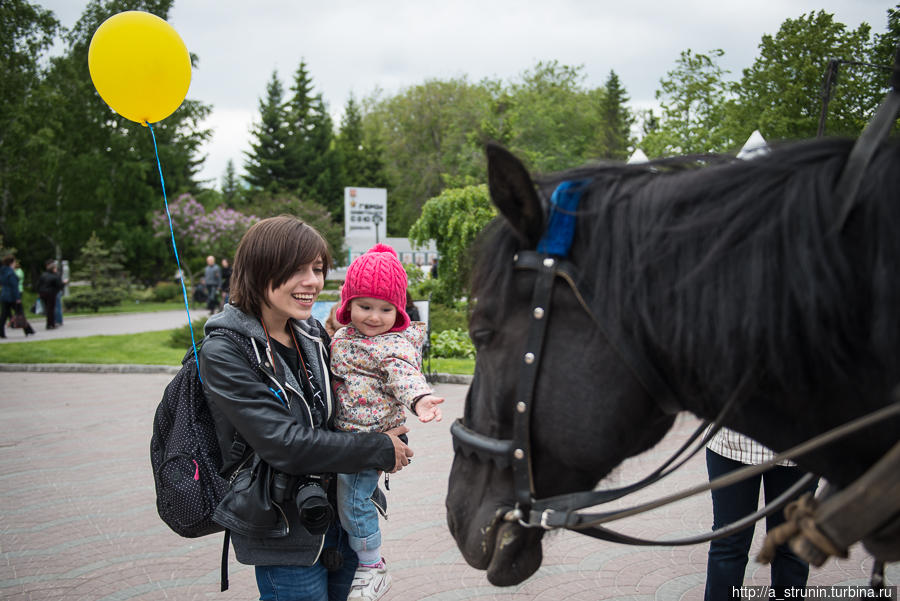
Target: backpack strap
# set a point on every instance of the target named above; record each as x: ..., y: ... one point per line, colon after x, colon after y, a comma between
x: 239, y: 446
x: 223, y: 574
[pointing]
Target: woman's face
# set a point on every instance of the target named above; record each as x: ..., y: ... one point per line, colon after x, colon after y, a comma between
x: 296, y: 296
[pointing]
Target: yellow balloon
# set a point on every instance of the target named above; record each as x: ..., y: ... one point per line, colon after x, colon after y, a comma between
x: 140, y: 66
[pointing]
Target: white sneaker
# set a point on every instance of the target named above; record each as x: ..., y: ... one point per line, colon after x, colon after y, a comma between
x: 369, y: 584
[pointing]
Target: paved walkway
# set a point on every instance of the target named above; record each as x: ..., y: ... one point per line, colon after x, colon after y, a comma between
x: 78, y: 519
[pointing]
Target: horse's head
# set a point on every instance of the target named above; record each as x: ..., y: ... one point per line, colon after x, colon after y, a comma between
x: 575, y: 439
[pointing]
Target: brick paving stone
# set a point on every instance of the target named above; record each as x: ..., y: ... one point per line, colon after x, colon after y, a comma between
x: 78, y: 518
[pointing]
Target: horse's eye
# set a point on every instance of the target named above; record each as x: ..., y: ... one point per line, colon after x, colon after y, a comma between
x: 482, y: 337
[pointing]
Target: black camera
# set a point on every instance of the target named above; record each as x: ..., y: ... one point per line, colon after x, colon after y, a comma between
x: 316, y: 513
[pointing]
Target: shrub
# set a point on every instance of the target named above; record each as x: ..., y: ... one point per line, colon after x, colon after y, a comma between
x: 447, y: 317
x: 166, y: 291
x: 89, y: 298
x: 452, y: 344
x: 181, y: 337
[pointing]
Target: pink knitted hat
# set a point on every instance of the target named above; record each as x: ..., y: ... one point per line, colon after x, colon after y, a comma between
x: 376, y: 274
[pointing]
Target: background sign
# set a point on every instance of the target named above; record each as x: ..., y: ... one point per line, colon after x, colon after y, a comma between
x: 365, y: 213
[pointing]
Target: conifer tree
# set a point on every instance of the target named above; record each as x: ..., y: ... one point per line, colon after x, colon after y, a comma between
x: 103, y: 268
x: 230, y: 187
x: 614, y: 133
x: 360, y: 159
x: 267, y: 164
x: 311, y: 164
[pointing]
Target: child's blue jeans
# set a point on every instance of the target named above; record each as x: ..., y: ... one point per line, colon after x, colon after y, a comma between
x: 358, y: 514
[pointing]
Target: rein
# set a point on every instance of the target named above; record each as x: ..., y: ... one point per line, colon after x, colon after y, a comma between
x: 549, y: 262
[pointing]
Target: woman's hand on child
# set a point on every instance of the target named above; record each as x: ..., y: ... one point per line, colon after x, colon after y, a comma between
x: 402, y: 452
x: 427, y: 408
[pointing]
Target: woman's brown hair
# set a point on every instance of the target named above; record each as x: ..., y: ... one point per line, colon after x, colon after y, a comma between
x: 268, y: 255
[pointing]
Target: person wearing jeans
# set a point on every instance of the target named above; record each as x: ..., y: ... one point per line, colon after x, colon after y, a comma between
x: 727, y: 558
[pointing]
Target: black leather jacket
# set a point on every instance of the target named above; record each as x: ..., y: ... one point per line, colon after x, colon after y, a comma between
x: 243, y: 400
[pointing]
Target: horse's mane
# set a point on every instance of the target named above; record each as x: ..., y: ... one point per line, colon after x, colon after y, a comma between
x: 733, y: 267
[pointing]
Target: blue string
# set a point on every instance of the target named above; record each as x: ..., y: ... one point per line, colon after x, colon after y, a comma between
x: 175, y: 248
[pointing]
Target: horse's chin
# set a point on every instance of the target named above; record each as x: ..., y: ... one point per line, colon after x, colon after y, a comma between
x: 517, y: 554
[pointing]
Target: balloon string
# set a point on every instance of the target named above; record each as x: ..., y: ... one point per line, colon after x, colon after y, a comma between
x: 175, y: 248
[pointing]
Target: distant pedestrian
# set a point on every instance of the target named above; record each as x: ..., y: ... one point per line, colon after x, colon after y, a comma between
x: 49, y: 285
x: 212, y: 275
x: 434, y: 269
x: 226, y: 281
x: 59, y: 298
x: 11, y: 298
x: 20, y: 273
x: 411, y: 309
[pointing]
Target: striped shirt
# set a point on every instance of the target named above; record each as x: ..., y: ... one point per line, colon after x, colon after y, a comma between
x: 740, y: 447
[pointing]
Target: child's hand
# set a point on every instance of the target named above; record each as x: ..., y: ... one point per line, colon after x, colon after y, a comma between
x: 427, y: 408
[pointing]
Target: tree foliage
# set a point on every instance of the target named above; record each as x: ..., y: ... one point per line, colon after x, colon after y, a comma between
x: 266, y: 163
x: 453, y: 220
x: 78, y: 166
x: 102, y: 268
x: 692, y: 100
x: 199, y: 232
x: 780, y: 94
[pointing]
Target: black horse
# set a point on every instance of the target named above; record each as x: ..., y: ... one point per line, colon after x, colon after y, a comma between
x: 738, y: 279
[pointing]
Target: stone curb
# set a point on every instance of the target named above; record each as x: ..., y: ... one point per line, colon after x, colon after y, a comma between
x: 162, y: 369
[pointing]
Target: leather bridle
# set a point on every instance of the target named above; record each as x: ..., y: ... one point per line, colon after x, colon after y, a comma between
x: 549, y: 264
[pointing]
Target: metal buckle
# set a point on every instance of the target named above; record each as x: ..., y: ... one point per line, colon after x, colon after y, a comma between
x: 544, y: 517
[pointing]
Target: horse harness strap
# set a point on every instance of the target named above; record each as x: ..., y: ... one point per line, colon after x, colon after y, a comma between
x: 868, y: 142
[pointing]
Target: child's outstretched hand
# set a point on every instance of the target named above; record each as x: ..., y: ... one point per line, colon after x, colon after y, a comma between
x: 427, y: 408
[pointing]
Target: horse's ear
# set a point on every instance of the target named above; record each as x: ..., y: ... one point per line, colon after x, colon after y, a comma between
x: 514, y: 194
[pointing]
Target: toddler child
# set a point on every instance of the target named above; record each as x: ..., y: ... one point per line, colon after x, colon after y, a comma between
x: 376, y: 363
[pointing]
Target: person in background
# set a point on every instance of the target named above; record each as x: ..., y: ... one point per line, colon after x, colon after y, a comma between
x: 59, y: 300
x: 49, y: 286
x: 727, y: 559
x: 20, y: 273
x: 331, y: 323
x: 11, y: 296
x: 226, y: 281
x: 411, y: 308
x: 212, y: 276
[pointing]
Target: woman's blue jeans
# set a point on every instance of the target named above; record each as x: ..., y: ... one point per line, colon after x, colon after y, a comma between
x: 727, y: 558
x: 310, y: 583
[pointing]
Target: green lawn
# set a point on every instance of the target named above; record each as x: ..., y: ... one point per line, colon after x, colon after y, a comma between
x: 148, y: 348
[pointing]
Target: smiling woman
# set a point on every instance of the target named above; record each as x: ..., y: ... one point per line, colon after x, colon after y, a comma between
x: 278, y: 418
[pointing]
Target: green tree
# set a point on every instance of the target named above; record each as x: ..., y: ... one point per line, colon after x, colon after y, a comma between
x: 89, y: 169
x: 780, y: 94
x: 108, y: 278
x: 427, y: 134
x: 266, y: 163
x: 613, y: 138
x: 200, y: 232
x: 270, y: 205
x: 311, y: 160
x: 549, y: 118
x: 693, y: 99
x: 453, y: 220
x: 231, y: 187
x: 360, y: 156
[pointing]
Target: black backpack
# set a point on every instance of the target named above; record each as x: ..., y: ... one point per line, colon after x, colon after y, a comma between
x: 185, y: 455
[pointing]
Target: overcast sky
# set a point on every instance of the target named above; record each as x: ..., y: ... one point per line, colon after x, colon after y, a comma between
x: 359, y: 46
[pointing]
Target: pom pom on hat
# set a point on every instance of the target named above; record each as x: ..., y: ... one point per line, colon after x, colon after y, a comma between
x: 376, y: 274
